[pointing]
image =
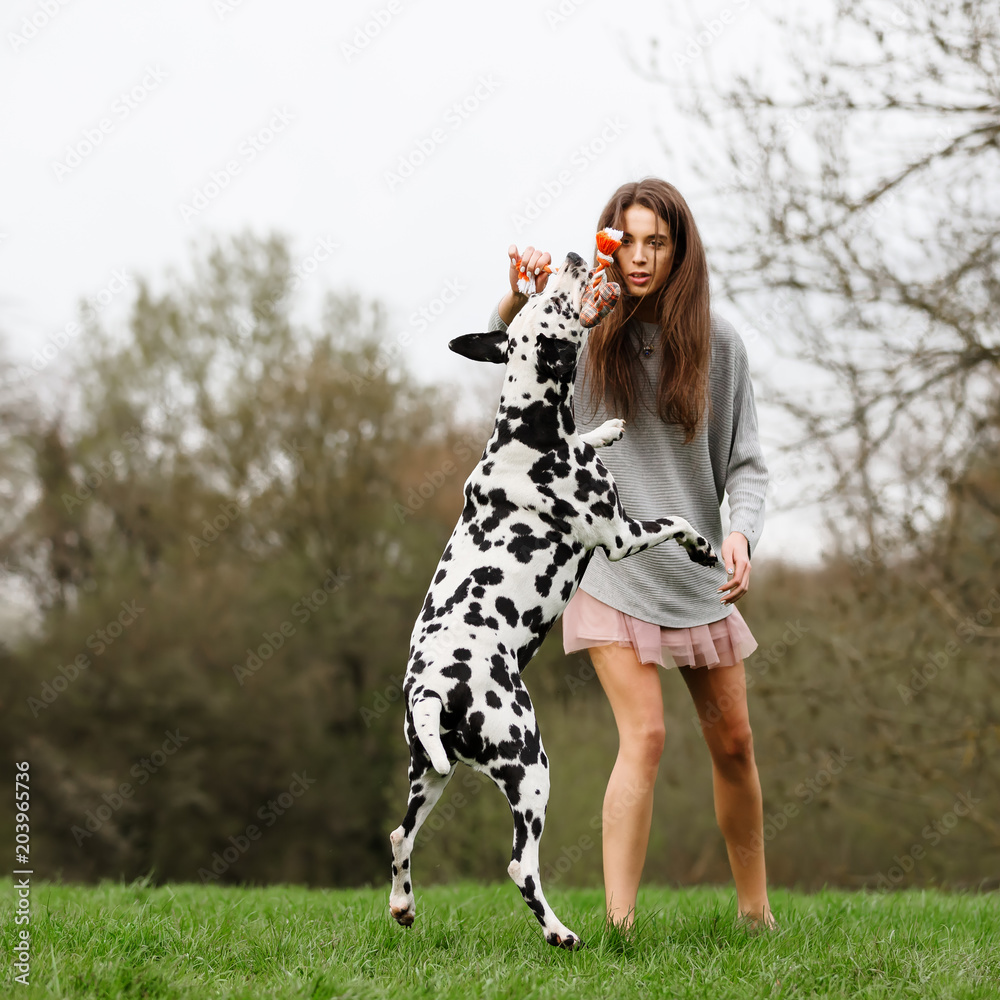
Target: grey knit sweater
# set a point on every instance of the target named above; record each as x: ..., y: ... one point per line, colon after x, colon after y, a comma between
x: 658, y: 475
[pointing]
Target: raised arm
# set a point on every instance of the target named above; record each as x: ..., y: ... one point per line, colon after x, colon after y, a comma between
x: 513, y: 301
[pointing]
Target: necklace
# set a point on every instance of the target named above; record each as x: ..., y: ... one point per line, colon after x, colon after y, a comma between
x: 647, y: 348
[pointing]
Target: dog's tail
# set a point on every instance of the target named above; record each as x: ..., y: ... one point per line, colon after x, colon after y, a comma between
x: 427, y: 722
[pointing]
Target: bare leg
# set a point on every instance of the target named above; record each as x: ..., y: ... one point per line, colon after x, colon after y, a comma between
x: 633, y: 689
x: 720, y: 696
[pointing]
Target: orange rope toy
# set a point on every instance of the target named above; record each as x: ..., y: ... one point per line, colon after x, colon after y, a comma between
x: 525, y: 281
x: 601, y: 295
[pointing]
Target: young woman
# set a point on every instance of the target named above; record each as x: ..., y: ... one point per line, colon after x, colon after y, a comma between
x: 678, y: 374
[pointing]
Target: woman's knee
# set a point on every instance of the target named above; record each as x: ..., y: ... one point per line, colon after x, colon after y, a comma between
x: 644, y: 742
x: 733, y: 745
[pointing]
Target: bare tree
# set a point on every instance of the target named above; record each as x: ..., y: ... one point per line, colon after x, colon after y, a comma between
x: 863, y: 197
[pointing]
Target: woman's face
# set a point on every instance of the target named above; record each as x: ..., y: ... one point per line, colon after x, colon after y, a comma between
x: 646, y: 253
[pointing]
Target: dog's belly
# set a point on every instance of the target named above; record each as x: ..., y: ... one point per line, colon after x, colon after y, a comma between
x: 498, y: 591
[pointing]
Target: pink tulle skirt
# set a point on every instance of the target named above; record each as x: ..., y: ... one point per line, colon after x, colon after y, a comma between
x: 586, y: 621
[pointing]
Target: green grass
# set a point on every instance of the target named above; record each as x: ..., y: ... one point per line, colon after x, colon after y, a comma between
x: 469, y: 940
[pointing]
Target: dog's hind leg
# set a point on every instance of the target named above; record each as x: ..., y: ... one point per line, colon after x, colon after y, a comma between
x: 526, y: 787
x: 426, y: 786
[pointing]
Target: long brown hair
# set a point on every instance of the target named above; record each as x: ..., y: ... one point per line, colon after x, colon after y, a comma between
x: 682, y: 312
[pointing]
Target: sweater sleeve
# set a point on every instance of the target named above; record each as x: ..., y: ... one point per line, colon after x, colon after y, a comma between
x: 496, y: 323
x: 746, y: 473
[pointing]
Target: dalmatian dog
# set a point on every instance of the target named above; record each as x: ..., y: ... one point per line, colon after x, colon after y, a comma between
x: 536, y: 506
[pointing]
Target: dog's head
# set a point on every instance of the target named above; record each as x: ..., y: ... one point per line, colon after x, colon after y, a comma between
x: 546, y: 335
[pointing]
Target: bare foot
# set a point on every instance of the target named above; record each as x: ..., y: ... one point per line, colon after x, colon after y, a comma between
x: 755, y: 922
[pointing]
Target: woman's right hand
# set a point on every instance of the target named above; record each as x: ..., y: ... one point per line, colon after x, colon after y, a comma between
x: 510, y: 305
x: 531, y: 259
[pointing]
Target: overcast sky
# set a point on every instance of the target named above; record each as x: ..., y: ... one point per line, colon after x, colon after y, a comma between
x: 420, y: 137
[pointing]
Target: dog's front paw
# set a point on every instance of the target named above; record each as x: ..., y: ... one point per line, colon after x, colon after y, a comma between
x: 609, y: 432
x: 701, y: 552
x: 403, y: 914
x: 567, y: 939
x: 613, y: 429
x: 402, y: 908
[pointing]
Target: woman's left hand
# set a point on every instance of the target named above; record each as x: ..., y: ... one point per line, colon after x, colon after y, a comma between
x: 736, y: 559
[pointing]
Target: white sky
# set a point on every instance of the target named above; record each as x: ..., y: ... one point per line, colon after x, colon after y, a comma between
x: 504, y: 96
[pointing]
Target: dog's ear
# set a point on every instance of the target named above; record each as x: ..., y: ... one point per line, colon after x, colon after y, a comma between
x: 491, y: 347
x: 557, y: 356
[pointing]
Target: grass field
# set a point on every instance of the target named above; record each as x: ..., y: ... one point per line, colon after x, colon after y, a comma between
x: 469, y: 940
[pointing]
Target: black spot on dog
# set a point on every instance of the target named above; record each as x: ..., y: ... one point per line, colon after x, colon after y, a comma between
x: 509, y: 777
x: 531, y: 747
x: 528, y: 894
x: 500, y: 674
x: 520, y: 837
x: 488, y: 575
x: 524, y: 546
x: 416, y: 801
x: 458, y: 671
x: 506, y: 607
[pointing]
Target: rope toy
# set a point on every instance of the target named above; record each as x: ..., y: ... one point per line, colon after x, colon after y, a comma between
x: 602, y: 295
x: 526, y: 282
